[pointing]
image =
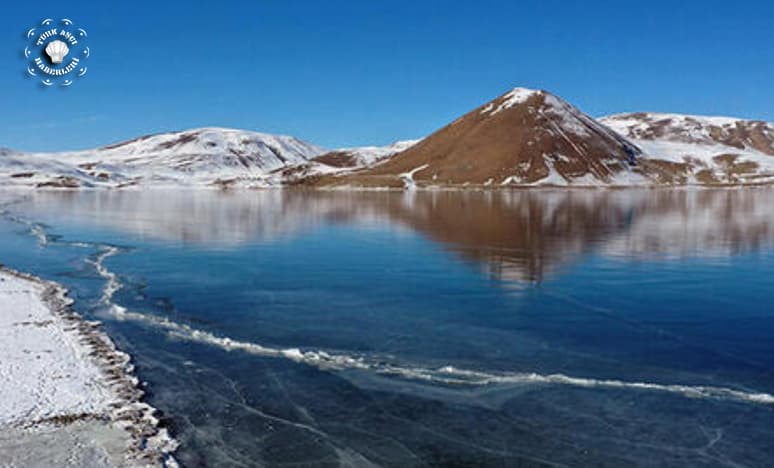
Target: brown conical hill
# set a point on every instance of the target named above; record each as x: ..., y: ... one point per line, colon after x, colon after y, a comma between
x: 523, y: 137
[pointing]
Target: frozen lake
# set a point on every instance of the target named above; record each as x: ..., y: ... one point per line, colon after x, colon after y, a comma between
x: 514, y: 328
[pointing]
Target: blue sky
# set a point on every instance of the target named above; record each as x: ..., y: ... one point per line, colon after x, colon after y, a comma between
x: 343, y: 73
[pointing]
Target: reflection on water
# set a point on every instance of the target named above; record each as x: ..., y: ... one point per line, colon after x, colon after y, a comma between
x: 503, y: 328
x: 514, y: 235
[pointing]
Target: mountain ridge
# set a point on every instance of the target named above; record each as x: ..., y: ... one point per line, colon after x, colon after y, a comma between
x: 522, y: 138
x: 199, y: 156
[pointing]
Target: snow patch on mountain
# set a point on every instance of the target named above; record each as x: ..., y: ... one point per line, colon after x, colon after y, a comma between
x: 512, y: 98
x: 408, y: 177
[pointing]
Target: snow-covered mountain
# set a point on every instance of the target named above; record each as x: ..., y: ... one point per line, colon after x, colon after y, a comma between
x: 690, y: 149
x: 202, y: 156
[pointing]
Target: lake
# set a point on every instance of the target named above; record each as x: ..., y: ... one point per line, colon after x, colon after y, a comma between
x: 443, y: 328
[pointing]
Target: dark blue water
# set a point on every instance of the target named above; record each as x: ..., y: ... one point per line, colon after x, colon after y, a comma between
x: 525, y: 328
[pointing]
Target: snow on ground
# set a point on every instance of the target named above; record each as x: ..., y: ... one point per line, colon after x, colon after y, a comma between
x: 408, y: 177
x: 678, y: 152
x: 43, y: 366
x: 628, y: 178
x: 701, y: 156
x: 86, y: 444
x: 62, y: 380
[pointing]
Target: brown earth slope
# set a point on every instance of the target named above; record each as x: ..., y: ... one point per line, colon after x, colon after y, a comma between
x: 338, y: 159
x: 523, y: 137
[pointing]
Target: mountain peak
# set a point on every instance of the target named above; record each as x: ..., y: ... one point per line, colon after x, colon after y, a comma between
x: 514, y: 97
x: 523, y: 137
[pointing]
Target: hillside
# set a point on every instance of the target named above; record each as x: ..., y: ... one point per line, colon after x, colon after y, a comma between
x: 688, y: 149
x: 523, y: 137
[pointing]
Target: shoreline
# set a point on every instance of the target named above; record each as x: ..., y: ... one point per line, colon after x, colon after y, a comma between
x: 420, y: 188
x: 79, y: 401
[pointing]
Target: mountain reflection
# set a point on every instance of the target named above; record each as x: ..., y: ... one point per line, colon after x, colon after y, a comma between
x: 512, y: 235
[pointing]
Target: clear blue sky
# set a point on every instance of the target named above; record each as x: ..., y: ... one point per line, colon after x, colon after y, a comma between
x: 340, y: 73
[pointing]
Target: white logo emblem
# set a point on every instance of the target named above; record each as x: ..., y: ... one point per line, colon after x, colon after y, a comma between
x: 57, y: 50
x: 56, y: 53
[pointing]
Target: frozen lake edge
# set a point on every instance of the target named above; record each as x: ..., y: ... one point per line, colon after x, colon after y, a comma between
x: 70, y: 396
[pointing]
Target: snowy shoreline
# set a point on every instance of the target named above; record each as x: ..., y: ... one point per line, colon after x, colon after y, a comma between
x: 70, y: 397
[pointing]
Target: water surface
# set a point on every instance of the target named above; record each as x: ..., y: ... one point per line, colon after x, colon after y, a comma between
x: 514, y: 328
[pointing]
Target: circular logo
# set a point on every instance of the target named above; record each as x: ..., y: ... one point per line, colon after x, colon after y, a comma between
x: 56, y: 52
